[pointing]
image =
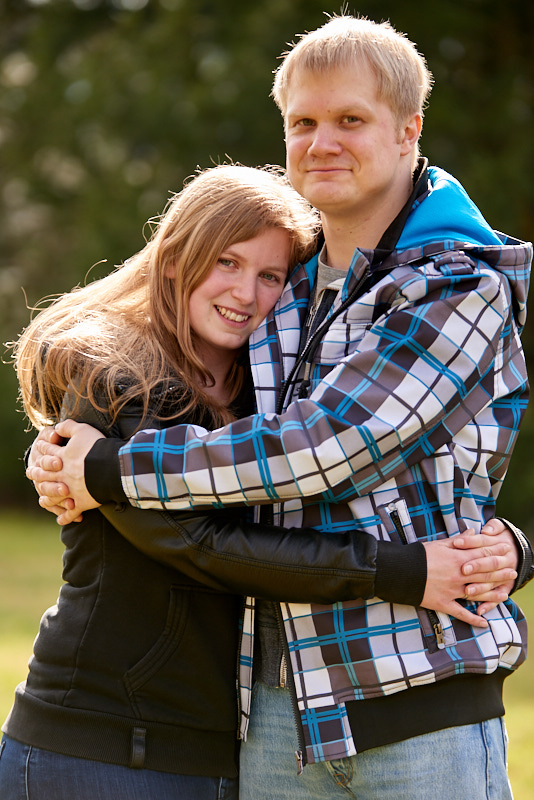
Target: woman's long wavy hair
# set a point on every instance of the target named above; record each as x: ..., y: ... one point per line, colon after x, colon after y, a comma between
x: 122, y: 336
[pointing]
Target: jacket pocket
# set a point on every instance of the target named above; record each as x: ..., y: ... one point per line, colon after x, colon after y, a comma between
x: 188, y: 675
x: 138, y: 679
x: 436, y: 627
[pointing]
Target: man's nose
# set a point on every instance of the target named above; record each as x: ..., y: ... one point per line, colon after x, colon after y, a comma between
x: 324, y: 141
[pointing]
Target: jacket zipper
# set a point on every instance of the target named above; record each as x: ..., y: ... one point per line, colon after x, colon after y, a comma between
x: 238, y: 668
x: 432, y: 616
x: 283, y: 672
x: 286, y: 675
x: 287, y: 680
x: 315, y: 338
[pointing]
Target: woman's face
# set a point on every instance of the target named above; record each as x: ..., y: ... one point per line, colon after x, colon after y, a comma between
x: 243, y: 286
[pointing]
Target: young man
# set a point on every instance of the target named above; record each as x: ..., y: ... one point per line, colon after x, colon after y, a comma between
x: 404, y: 383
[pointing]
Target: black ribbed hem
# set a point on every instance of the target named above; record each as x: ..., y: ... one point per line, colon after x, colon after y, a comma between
x: 401, y: 572
x: 118, y: 740
x: 103, y: 473
x: 461, y: 700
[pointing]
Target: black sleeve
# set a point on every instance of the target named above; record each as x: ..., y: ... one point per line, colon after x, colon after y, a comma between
x: 102, y: 471
x: 221, y: 550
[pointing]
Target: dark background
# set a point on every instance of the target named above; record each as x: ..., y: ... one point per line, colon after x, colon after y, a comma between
x: 107, y: 105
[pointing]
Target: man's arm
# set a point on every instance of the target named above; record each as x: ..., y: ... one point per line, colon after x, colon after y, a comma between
x: 407, y: 391
x: 409, y: 388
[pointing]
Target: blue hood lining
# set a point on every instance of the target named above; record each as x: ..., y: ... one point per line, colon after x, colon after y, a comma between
x: 446, y: 214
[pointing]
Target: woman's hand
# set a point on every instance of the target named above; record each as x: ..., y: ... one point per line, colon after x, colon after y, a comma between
x: 480, y: 568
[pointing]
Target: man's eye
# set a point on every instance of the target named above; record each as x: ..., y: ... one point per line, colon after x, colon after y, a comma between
x: 306, y: 123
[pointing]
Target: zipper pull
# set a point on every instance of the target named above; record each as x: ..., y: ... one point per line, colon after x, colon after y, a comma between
x: 300, y: 762
x: 283, y: 672
x: 438, y: 631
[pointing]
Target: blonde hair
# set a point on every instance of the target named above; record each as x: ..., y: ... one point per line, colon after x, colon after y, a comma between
x: 403, y: 79
x: 129, y: 332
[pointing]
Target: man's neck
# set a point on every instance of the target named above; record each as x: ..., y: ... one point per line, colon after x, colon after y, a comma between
x: 344, y: 234
x: 342, y: 240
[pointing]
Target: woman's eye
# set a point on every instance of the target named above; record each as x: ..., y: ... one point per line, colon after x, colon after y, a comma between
x: 271, y: 277
x: 226, y: 262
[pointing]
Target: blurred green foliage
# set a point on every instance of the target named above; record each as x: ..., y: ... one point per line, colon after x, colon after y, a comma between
x: 107, y: 105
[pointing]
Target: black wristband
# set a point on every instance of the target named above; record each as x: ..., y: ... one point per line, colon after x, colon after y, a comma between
x: 525, y: 566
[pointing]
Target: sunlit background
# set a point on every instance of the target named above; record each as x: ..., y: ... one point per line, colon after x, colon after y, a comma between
x: 107, y: 105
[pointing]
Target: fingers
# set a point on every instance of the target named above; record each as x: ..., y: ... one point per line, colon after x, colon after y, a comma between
x: 53, y: 503
x: 454, y: 609
x: 489, y: 605
x: 49, y: 506
x: 48, y: 480
x: 49, y: 435
x: 67, y: 428
x: 64, y: 514
x: 494, y: 527
x: 67, y: 516
x: 472, y: 541
x: 54, y: 490
x: 51, y: 453
x: 486, y: 592
x: 490, y: 569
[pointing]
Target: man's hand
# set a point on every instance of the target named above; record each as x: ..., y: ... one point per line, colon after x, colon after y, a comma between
x: 58, y: 472
x: 487, y: 561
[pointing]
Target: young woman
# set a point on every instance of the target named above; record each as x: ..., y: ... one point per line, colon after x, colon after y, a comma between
x: 131, y: 691
x: 131, y: 688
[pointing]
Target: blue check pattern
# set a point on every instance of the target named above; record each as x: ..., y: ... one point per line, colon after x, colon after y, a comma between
x: 417, y: 392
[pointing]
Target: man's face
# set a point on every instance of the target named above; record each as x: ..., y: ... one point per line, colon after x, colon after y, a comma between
x: 346, y: 152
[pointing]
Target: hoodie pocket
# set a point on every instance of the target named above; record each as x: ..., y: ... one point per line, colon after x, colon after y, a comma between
x: 187, y: 677
x: 140, y: 679
x: 436, y: 627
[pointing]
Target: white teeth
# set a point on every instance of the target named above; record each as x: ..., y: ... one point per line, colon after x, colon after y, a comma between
x: 231, y: 315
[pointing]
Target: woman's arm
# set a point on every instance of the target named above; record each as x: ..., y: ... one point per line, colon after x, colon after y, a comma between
x: 177, y: 539
x: 220, y: 549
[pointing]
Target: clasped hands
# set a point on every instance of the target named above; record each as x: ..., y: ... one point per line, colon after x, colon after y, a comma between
x: 480, y: 568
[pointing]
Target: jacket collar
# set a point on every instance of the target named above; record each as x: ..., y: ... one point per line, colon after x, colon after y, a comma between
x: 392, y: 233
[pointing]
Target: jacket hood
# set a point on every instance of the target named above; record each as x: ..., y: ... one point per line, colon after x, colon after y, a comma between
x: 446, y: 212
x: 445, y: 218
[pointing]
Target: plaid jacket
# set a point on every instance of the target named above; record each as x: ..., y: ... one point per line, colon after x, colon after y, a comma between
x: 399, y: 418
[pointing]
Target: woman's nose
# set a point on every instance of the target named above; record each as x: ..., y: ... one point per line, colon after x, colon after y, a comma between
x: 244, y: 289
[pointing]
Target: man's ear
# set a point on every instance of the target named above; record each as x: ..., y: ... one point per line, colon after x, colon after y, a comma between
x: 410, y: 133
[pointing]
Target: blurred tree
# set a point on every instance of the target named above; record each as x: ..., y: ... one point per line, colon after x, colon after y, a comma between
x: 107, y: 105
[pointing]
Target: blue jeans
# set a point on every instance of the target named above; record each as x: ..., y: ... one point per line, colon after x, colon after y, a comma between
x: 27, y: 773
x: 461, y: 763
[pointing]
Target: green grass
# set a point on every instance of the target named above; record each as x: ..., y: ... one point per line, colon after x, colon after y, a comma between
x: 30, y: 577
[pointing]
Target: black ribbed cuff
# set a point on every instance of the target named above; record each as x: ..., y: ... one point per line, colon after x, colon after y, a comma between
x: 103, y: 473
x: 401, y: 572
